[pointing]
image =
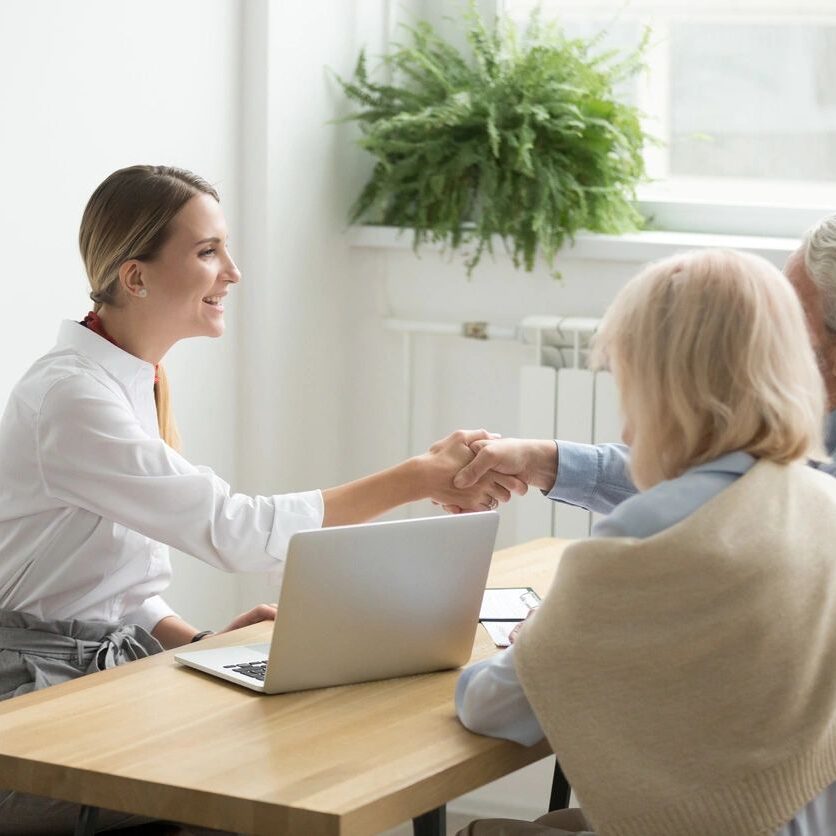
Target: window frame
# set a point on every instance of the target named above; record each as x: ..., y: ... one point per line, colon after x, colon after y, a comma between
x: 684, y: 214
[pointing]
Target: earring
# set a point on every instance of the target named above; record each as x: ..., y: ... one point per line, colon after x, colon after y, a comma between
x: 142, y: 293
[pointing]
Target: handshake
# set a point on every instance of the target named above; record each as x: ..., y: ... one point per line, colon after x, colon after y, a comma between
x: 474, y: 470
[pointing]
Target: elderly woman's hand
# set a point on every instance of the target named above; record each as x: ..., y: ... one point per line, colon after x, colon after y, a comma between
x: 447, y: 457
x: 515, y: 633
x: 531, y: 461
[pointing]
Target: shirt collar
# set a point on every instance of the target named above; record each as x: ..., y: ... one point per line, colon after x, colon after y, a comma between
x: 830, y: 434
x: 121, y: 365
x: 737, y: 462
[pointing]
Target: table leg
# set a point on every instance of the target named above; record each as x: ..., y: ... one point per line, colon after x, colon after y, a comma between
x: 560, y: 790
x: 433, y: 823
x: 86, y: 823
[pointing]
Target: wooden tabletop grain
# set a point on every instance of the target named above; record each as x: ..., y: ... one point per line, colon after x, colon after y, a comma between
x: 158, y: 739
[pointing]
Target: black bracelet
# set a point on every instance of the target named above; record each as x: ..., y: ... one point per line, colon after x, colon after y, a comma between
x: 201, y: 635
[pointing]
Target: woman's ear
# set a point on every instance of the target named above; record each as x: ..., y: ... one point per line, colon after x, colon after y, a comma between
x: 130, y: 278
x: 827, y: 366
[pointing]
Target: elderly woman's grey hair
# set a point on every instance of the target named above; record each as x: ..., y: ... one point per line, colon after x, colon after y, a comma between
x: 819, y: 248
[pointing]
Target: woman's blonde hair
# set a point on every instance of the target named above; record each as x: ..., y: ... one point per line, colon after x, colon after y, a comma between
x: 711, y: 354
x: 128, y: 217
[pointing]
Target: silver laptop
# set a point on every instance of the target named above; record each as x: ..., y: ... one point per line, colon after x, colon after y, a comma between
x: 364, y: 602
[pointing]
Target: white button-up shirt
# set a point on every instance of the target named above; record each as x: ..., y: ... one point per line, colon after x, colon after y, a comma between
x: 89, y: 494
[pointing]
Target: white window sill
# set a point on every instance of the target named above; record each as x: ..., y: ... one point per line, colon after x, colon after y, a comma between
x: 636, y: 247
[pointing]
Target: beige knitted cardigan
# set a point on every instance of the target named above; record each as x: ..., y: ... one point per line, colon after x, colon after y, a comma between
x: 687, y: 682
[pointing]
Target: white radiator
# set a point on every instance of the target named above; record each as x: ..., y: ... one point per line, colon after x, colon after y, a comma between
x: 559, y: 398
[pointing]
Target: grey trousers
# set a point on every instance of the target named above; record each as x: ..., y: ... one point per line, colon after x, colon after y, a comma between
x: 22, y: 814
x: 559, y: 823
x: 35, y: 654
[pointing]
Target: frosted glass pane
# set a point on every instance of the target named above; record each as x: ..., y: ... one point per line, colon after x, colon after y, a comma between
x: 753, y: 101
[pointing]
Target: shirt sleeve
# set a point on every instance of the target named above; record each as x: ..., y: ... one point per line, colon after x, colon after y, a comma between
x: 94, y: 454
x: 592, y: 476
x: 491, y: 701
x: 149, y: 614
x: 828, y: 467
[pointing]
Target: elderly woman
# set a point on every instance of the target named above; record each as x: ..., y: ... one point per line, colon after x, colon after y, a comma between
x: 682, y: 664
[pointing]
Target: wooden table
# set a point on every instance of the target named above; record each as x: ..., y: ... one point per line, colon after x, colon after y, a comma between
x: 161, y: 740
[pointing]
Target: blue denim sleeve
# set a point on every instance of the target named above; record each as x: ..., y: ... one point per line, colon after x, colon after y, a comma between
x: 592, y: 476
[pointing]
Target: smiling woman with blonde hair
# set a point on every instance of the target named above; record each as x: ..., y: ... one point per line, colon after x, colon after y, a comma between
x: 682, y: 663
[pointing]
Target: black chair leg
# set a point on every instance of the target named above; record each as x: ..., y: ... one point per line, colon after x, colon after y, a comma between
x: 560, y: 789
x: 433, y: 823
x: 86, y: 823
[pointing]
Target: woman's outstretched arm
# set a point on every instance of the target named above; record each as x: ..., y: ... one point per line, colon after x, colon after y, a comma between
x: 428, y: 476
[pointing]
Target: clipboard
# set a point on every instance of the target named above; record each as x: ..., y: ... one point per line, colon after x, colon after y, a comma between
x: 505, y: 607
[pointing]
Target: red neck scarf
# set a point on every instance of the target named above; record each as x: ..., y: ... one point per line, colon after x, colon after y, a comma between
x: 94, y: 323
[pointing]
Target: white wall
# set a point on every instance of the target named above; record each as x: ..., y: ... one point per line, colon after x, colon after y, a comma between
x: 299, y: 174
x: 87, y: 88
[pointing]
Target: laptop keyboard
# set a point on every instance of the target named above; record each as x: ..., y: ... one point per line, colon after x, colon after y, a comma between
x: 256, y: 670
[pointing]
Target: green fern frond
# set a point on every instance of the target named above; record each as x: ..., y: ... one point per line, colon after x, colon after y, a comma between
x: 522, y: 137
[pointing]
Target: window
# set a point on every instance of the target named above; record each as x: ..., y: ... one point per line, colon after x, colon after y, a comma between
x: 743, y: 95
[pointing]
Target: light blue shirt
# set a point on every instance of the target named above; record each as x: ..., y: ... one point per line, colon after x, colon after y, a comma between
x: 597, y: 476
x: 489, y: 697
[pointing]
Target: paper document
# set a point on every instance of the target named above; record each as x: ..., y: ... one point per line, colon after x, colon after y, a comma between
x: 499, y: 631
x: 504, y: 608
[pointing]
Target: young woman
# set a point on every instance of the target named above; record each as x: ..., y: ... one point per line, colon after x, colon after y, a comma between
x: 92, y: 487
x: 682, y: 664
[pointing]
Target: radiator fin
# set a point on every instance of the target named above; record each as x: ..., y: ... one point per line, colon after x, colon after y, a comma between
x: 538, y: 388
x: 575, y: 414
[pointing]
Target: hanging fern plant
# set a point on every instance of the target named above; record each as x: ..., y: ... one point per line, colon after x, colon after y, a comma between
x: 525, y: 139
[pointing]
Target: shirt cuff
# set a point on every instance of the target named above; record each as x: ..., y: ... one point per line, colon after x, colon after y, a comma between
x: 577, y: 474
x: 464, y: 680
x: 152, y: 611
x: 293, y: 512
